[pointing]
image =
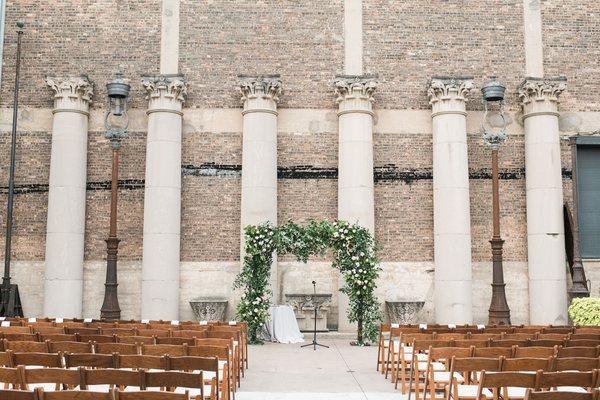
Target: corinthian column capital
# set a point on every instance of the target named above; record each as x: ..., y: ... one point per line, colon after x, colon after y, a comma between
x: 355, y: 93
x: 449, y: 89
x: 165, y: 93
x: 260, y: 93
x: 539, y: 96
x: 72, y: 93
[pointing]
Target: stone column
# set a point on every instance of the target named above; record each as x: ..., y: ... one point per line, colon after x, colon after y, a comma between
x: 451, y: 204
x: 63, y: 279
x: 260, y: 95
x: 355, y: 160
x: 162, y: 197
x: 545, y: 226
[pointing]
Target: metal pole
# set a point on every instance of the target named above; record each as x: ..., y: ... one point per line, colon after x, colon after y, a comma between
x: 110, y: 307
x: 11, y: 173
x: 499, y: 313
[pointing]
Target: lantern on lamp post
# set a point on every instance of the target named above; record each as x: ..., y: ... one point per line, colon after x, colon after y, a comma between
x: 116, y: 122
x: 494, y: 135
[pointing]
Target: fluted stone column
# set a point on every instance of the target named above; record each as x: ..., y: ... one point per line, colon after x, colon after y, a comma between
x: 63, y: 279
x: 451, y: 204
x: 260, y: 95
x: 355, y: 161
x: 162, y: 197
x: 545, y: 224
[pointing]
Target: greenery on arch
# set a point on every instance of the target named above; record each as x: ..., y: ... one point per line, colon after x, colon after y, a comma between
x: 354, y: 255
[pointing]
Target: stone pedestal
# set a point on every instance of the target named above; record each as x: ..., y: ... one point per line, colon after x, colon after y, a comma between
x: 403, y: 312
x: 356, y: 202
x: 260, y: 95
x: 304, y: 309
x: 63, y: 280
x: 207, y: 309
x: 545, y: 225
x: 162, y: 197
x: 451, y: 203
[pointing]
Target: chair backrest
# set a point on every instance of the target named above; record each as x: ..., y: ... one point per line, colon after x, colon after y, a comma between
x: 22, y: 337
x: 446, y: 353
x: 493, y: 352
x: 508, y: 343
x: 118, y: 331
x: 90, y: 360
x: 559, y: 395
x: 150, y: 395
x: 176, y: 340
x: 76, y: 395
x: 576, y: 363
x: 26, y: 346
x: 59, y: 376
x: 545, y: 343
x: 497, y: 380
x: 58, y: 337
x: 557, y: 329
x: 121, y: 348
x: 475, y: 364
x: 527, y: 364
x: 154, y: 332
x: 188, y: 380
x: 82, y: 331
x: 527, y: 330
x: 221, y: 352
x: 117, y: 377
x: 15, y: 329
x: 520, y: 352
x: 553, y: 336
x: 579, y: 336
x: 70, y: 347
x: 136, y: 339
x: 189, y: 334
x: 194, y: 363
x: 5, y: 359
x: 7, y: 394
x: 48, y: 330
x: 422, y: 345
x: 98, y: 338
x: 486, y: 336
x: 11, y: 376
x: 141, y: 361
x: 37, y: 359
x: 587, y: 352
x: 162, y: 349
x: 585, y: 379
x: 582, y: 343
x: 450, y: 336
x: 471, y: 343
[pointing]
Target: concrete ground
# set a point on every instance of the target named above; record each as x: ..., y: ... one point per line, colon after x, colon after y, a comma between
x: 288, y: 372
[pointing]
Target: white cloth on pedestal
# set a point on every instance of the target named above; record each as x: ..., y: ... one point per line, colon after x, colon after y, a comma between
x: 282, y: 325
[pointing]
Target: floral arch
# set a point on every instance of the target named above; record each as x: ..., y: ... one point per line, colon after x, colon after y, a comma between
x: 354, y: 255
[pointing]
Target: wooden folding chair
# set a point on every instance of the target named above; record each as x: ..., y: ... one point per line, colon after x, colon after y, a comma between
x: 508, y: 385
x: 238, y: 345
x: 121, y: 348
x: 464, y: 376
x: 49, y: 378
x: 417, y: 365
x: 76, y: 395
x: 225, y: 362
x: 26, y: 346
x: 10, y: 378
x: 216, y: 381
x: 382, y: 344
x: 437, y: 371
x: 554, y: 395
x: 177, y: 381
x: 534, y: 352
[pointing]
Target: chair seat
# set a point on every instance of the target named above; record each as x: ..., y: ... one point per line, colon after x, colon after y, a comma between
x: 444, y: 377
x: 470, y: 391
x: 437, y: 366
x: 516, y: 393
x: 420, y: 357
x: 571, y: 389
x: 193, y: 392
x: 48, y: 387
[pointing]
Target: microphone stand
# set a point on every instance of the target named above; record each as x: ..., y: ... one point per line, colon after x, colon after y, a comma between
x: 314, y: 343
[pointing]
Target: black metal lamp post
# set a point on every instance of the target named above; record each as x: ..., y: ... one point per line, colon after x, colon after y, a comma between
x: 115, y: 122
x: 10, y: 304
x: 498, y: 313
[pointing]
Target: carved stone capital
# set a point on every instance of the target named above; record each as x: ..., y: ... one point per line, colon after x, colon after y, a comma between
x: 540, y: 96
x: 449, y: 95
x: 71, y: 94
x: 260, y: 93
x: 354, y: 93
x: 165, y: 93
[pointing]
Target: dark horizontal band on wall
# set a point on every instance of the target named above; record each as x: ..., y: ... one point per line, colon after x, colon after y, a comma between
x: 387, y: 173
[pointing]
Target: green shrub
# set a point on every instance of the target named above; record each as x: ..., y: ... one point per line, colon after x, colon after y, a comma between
x: 585, y: 311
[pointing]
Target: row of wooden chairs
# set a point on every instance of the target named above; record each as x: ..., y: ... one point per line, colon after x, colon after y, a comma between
x: 198, y: 375
x: 113, y: 394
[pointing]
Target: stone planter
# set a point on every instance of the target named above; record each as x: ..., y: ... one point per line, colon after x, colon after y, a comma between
x: 403, y: 312
x: 207, y: 309
x: 304, y: 309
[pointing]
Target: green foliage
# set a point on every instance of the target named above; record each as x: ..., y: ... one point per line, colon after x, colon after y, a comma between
x: 585, y: 311
x: 354, y: 255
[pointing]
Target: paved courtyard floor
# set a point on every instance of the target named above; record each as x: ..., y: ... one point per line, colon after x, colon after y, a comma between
x: 286, y: 371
